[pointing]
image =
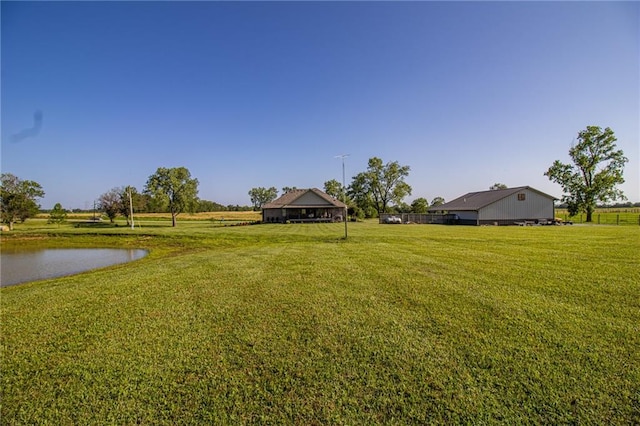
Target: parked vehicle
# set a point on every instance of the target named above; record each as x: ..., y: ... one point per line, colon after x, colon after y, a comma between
x: 393, y: 219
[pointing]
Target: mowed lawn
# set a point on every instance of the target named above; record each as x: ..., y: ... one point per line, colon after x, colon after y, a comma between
x: 291, y: 324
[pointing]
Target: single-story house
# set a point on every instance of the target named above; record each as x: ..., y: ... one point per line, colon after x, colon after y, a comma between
x: 304, y: 205
x: 499, y: 207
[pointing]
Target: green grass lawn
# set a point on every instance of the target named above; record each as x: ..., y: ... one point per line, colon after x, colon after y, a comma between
x: 399, y: 324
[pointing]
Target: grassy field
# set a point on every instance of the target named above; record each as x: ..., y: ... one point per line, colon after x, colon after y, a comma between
x: 399, y: 324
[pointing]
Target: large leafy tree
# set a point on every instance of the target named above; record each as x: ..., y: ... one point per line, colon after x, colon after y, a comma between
x: 175, y: 189
x: 437, y: 201
x: 111, y: 203
x: 261, y: 196
x: 334, y: 188
x: 359, y: 192
x: 420, y: 205
x: 381, y: 185
x: 18, y: 198
x: 596, y: 171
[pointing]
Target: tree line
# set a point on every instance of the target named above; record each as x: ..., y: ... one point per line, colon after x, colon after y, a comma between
x: 591, y: 179
x: 168, y: 190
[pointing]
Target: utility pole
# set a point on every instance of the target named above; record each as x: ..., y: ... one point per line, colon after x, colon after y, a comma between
x: 131, y: 207
x: 344, y: 194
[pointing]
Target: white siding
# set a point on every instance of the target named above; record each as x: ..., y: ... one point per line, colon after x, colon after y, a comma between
x: 534, y: 206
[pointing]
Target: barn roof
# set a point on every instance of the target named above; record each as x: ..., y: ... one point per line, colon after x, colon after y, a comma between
x: 289, y: 200
x: 473, y: 201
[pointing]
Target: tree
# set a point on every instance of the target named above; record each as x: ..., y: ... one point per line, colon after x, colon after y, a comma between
x: 261, y: 196
x: 18, y: 198
x: 361, y: 196
x: 288, y: 189
x: 438, y: 201
x: 596, y: 170
x: 420, y: 205
x: 497, y: 186
x: 381, y: 184
x: 175, y: 189
x: 111, y: 203
x: 334, y: 188
x: 154, y: 204
x: 58, y: 215
x: 402, y: 208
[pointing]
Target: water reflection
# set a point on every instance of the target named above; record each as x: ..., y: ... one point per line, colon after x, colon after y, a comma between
x: 19, y: 266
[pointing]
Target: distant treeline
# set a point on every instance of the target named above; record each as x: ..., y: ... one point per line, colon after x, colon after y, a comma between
x: 202, y: 206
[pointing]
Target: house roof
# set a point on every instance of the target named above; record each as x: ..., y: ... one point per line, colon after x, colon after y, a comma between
x: 289, y: 199
x: 473, y: 201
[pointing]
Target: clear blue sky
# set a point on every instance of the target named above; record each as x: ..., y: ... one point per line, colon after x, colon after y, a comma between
x: 268, y: 93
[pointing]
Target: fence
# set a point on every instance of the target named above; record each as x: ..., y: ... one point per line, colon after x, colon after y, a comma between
x: 604, y: 218
x: 412, y: 218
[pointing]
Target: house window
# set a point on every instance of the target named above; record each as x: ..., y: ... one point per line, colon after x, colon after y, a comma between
x: 521, y: 197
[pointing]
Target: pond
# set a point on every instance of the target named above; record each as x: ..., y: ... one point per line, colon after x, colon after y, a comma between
x: 20, y: 266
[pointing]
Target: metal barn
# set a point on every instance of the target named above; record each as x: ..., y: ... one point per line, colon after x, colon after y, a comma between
x: 521, y: 205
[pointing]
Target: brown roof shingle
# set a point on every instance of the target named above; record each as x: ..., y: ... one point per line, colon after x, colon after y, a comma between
x: 286, y: 200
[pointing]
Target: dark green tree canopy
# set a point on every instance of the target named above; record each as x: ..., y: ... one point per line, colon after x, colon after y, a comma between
x: 380, y: 186
x: 596, y: 171
x: 420, y: 205
x: 334, y: 188
x: 497, y: 186
x: 174, y: 188
x: 359, y: 192
x: 261, y: 196
x: 18, y: 198
x: 437, y: 201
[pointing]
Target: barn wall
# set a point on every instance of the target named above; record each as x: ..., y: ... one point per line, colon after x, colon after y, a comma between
x: 534, y: 206
x: 465, y: 217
